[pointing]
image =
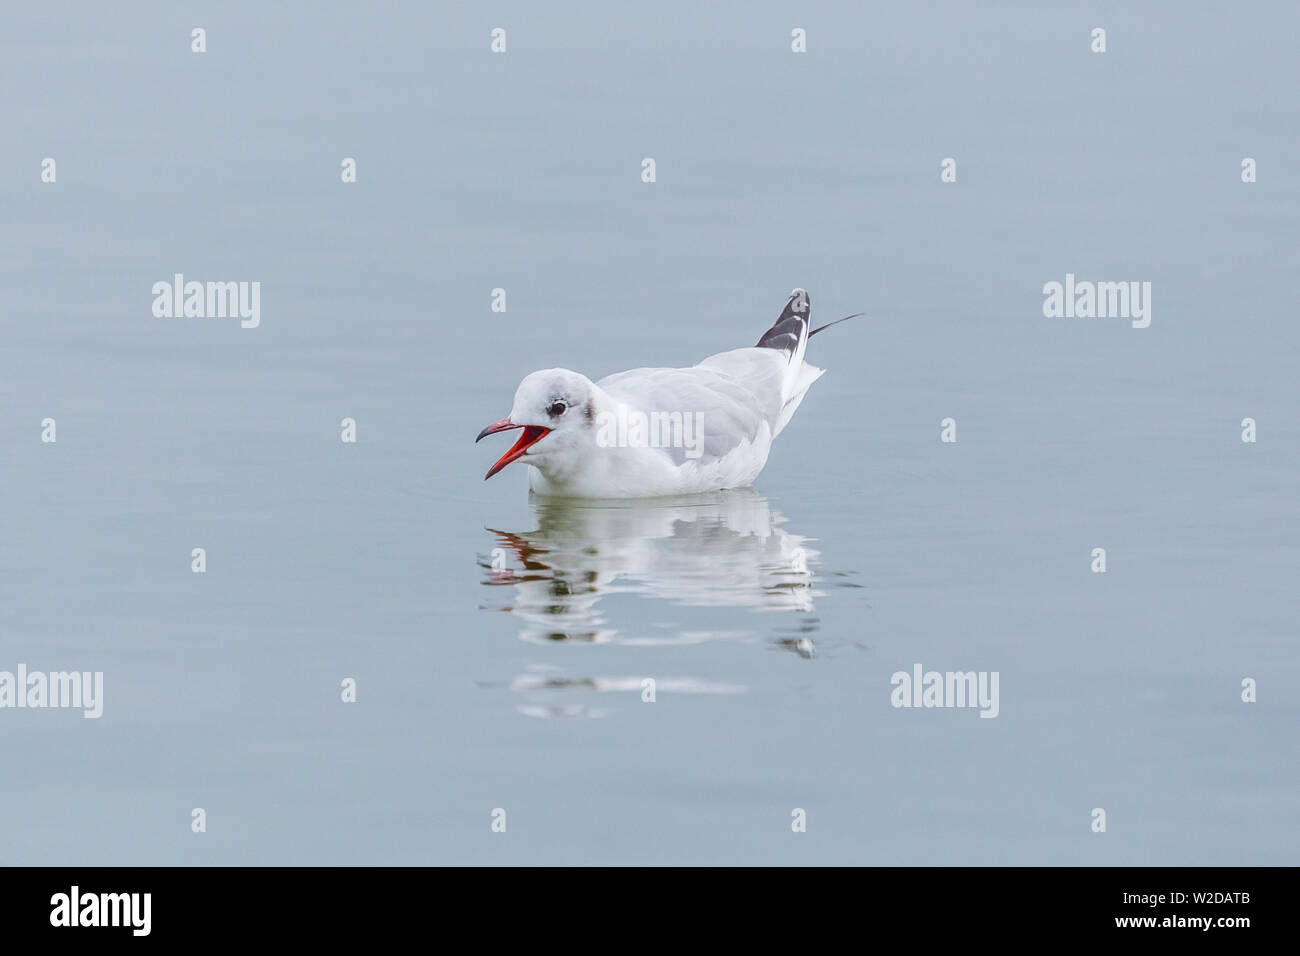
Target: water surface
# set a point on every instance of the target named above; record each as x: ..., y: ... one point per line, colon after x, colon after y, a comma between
x: 500, y: 645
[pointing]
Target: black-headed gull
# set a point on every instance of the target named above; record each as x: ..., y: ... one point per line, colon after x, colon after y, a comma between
x: 650, y: 432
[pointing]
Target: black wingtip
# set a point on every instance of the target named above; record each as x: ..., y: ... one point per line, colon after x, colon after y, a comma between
x: 785, y: 333
x: 799, y: 304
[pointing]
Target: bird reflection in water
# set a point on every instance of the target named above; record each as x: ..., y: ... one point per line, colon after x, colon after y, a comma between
x: 722, y: 550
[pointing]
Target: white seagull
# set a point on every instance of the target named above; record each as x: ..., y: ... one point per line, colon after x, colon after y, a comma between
x: 650, y: 432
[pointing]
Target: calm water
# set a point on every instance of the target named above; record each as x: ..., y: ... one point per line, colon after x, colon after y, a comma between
x: 499, y: 645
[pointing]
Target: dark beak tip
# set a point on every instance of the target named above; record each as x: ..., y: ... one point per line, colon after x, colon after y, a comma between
x: 501, y: 426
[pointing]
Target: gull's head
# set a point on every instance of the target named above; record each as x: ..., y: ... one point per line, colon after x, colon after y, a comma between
x: 556, y: 410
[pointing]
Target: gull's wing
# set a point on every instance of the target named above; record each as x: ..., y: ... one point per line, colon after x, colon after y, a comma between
x: 732, y: 408
x: 743, y: 397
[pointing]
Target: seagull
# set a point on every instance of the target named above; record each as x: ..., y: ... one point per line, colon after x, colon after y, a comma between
x: 653, y: 432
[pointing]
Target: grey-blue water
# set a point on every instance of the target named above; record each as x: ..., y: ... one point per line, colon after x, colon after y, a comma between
x: 771, y: 620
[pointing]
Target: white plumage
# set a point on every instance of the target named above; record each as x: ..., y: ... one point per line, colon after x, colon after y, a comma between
x: 650, y: 432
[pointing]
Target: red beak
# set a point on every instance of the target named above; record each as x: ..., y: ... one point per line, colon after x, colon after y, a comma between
x: 531, y: 436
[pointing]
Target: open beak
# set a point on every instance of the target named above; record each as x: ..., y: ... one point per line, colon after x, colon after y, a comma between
x: 531, y: 436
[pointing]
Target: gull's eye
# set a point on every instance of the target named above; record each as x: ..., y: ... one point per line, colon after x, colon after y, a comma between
x: 557, y: 409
